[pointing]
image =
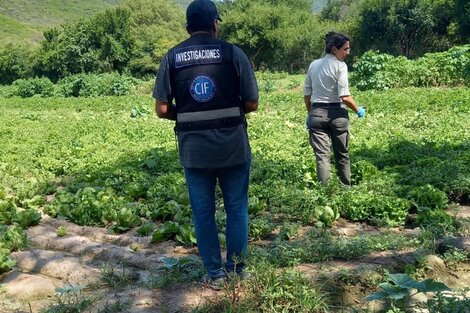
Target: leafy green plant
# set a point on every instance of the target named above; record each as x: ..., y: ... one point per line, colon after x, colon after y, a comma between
x: 6, y: 263
x: 61, y: 231
x: 26, y: 218
x: 454, y: 256
x: 360, y: 204
x: 289, y: 231
x: 146, y: 229
x: 381, y: 71
x: 255, y: 205
x: 95, y: 206
x: 439, y: 222
x: 259, y: 228
x: 186, y: 235
x: 293, y: 83
x: 401, y: 287
x: 13, y: 237
x: 428, y: 197
x: 165, y: 231
x: 325, y: 215
x: 267, y: 82
x: 367, y: 71
x: 89, y: 85
x: 140, y: 111
x: 7, y: 212
x: 319, y: 245
x: 458, y: 302
x: 274, y: 291
x: 124, y: 219
x: 362, y: 171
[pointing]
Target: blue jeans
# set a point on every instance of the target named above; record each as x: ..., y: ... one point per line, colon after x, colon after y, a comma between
x: 233, y: 182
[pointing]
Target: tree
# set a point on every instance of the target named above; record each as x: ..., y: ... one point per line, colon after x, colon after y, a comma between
x: 100, y: 44
x: 462, y: 13
x: 131, y: 37
x: 156, y: 25
x: 395, y: 26
x: 340, y: 10
x: 15, y: 62
x: 276, y: 34
x: 111, y: 36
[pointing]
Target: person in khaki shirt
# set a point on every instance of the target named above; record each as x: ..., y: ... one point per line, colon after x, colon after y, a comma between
x: 327, y: 98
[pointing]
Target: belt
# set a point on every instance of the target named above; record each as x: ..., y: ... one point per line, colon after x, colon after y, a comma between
x: 327, y: 104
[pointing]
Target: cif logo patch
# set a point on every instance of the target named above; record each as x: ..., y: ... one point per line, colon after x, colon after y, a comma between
x: 202, y: 88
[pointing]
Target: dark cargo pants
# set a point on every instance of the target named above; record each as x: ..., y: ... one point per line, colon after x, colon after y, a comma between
x: 329, y: 124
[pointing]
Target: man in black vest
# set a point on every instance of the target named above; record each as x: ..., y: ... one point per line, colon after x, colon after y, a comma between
x: 214, y: 86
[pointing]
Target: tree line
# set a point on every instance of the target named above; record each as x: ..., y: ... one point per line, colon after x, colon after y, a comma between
x: 277, y: 35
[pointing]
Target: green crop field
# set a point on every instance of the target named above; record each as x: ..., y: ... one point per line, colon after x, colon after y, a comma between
x: 410, y: 138
x: 93, y: 201
x: 109, y: 162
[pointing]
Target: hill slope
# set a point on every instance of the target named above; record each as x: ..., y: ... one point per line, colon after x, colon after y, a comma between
x: 26, y: 19
x: 40, y: 13
x: 12, y: 31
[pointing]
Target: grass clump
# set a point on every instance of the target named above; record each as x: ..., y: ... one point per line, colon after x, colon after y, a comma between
x: 271, y: 290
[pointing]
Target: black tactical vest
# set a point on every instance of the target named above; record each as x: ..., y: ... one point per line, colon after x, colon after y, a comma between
x: 205, y: 84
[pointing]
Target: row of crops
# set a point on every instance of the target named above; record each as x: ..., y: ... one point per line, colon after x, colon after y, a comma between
x: 108, y: 162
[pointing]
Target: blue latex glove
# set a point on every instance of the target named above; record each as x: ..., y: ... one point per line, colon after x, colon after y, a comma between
x: 361, y: 112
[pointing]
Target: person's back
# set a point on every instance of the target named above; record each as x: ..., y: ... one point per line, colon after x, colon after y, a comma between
x: 210, y: 119
x: 326, y: 76
x: 214, y: 86
x: 326, y: 98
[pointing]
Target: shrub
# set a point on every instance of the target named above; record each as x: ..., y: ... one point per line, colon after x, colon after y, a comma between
x: 71, y: 86
x: 367, y: 71
x: 89, y: 85
x: 26, y: 88
x: 379, y: 71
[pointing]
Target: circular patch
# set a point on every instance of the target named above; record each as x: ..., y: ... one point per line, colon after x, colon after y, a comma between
x: 202, y: 88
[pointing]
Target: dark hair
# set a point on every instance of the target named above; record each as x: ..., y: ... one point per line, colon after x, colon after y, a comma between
x: 333, y: 39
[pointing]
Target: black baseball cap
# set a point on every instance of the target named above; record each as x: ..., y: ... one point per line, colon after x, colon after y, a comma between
x: 201, y: 13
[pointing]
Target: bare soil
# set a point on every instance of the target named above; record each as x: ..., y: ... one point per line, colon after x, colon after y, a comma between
x: 78, y: 259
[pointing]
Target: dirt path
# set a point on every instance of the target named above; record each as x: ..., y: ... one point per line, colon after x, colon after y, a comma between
x: 80, y: 257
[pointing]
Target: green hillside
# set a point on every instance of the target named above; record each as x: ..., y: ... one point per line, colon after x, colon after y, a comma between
x: 12, y: 30
x: 25, y: 19
x: 42, y: 13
